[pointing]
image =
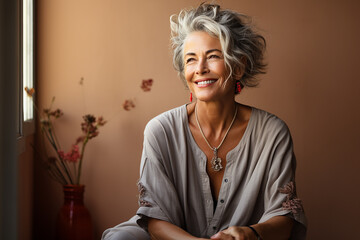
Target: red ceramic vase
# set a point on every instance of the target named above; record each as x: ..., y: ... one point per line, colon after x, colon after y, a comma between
x: 74, y: 220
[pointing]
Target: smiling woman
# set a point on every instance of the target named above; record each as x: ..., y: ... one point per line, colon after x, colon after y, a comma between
x: 242, y: 48
x: 205, y: 71
x: 216, y: 168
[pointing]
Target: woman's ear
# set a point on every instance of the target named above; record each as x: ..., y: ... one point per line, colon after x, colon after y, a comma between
x: 240, y: 69
x: 238, y: 73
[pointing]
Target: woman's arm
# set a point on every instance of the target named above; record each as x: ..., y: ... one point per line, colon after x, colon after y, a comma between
x: 276, y: 228
x: 162, y: 230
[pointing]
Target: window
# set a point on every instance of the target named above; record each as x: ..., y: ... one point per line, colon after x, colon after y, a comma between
x: 27, y: 57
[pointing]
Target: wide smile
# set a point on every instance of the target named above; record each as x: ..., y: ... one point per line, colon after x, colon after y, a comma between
x: 205, y: 82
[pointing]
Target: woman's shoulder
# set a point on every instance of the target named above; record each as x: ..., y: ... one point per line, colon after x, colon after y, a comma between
x: 169, y: 120
x: 267, y: 123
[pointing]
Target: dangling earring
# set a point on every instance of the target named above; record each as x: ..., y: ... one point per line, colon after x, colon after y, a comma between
x: 238, y: 86
x: 191, y: 97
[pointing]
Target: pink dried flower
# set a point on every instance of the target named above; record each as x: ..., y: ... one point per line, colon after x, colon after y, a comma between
x: 89, y: 127
x: 128, y: 105
x: 146, y: 85
x: 72, y: 156
x: 101, y: 121
x: 89, y: 118
x: 93, y: 134
x: 61, y: 154
x: 57, y: 113
x: 80, y: 139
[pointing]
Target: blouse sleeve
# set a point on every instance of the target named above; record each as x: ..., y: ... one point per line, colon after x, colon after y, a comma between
x: 280, y: 193
x: 157, y: 195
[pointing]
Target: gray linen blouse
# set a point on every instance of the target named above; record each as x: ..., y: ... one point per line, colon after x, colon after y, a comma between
x: 258, y: 182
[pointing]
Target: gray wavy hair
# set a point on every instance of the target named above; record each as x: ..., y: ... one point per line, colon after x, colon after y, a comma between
x: 242, y: 47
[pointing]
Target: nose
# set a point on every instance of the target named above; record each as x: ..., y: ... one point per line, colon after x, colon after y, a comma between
x: 202, y: 67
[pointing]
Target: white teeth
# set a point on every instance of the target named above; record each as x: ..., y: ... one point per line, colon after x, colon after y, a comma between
x: 206, y: 82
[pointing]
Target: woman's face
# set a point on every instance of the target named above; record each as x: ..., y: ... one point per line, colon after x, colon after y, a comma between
x: 205, y: 71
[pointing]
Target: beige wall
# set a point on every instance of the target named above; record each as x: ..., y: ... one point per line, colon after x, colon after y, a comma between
x: 312, y: 83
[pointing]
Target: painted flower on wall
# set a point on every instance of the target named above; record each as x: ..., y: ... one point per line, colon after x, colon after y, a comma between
x: 146, y: 85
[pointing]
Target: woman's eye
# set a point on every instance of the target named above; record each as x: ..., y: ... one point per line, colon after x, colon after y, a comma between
x: 214, y: 56
x: 189, y: 60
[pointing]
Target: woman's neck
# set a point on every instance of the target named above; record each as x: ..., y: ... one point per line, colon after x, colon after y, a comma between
x: 215, y: 117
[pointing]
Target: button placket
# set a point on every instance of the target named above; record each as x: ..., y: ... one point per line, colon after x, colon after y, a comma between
x: 223, y: 194
x: 207, y: 192
x: 226, y: 181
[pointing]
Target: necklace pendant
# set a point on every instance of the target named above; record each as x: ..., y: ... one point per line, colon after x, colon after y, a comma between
x: 216, y: 164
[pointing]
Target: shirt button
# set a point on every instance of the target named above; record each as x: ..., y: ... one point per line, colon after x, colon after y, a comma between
x: 214, y: 227
x: 222, y: 201
x: 226, y: 180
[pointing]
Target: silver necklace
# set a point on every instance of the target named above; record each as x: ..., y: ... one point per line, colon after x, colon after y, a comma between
x: 215, y: 161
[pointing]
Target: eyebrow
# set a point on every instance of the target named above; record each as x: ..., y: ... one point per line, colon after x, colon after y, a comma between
x: 207, y: 52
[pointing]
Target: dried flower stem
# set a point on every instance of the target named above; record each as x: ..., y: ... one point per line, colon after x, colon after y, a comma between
x: 57, y: 175
x: 49, y: 135
x: 51, y: 126
x: 81, y: 158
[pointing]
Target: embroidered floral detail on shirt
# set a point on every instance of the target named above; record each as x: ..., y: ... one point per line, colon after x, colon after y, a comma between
x: 142, y: 192
x: 292, y: 203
